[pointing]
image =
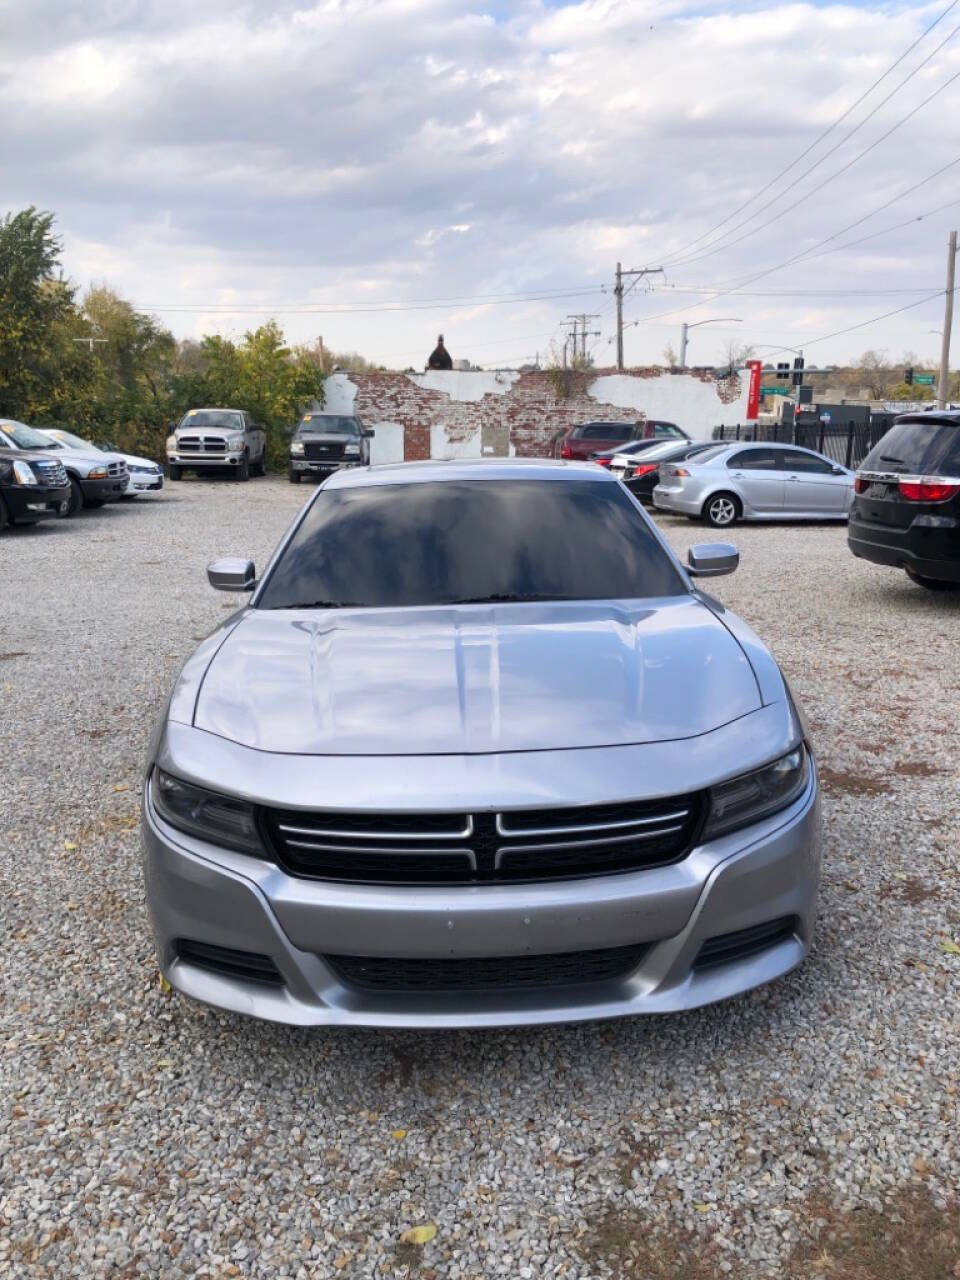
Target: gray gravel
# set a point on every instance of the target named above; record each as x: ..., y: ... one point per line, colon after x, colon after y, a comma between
x: 144, y: 1136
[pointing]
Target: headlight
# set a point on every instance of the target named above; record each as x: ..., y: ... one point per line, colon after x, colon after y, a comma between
x: 352, y: 451
x: 235, y: 442
x: 97, y: 473
x: 753, y: 796
x: 220, y: 819
x: 296, y: 449
x: 24, y: 473
x: 171, y: 444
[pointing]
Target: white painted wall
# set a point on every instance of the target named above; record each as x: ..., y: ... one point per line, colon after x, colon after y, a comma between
x: 465, y: 385
x: 675, y: 397
x: 387, y: 443
x: 339, y: 394
x: 442, y: 447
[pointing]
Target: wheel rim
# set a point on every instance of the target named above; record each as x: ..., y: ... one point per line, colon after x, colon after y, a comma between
x: 722, y: 511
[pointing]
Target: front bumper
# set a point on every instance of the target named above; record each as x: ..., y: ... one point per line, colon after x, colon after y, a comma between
x: 196, y: 461
x: 104, y: 490
x: 145, y: 482
x: 930, y: 546
x: 205, y: 894
x: 28, y: 503
x: 318, y: 466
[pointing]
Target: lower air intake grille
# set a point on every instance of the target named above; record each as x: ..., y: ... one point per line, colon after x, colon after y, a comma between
x: 249, y: 965
x: 494, y: 973
x: 729, y: 947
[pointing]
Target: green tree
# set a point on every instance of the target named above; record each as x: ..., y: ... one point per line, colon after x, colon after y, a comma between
x: 39, y: 364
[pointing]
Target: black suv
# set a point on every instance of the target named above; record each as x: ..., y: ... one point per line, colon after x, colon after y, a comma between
x: 33, y: 486
x: 906, y: 509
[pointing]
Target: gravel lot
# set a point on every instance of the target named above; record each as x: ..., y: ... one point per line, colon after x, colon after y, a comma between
x: 145, y: 1136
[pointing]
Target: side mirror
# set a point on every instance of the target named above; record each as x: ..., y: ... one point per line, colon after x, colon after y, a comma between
x: 712, y: 559
x: 368, y: 433
x: 837, y: 471
x: 232, y: 573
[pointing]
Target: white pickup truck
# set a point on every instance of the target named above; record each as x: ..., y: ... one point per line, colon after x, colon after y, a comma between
x: 207, y: 439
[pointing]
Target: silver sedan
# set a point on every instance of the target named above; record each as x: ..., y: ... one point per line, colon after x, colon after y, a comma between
x: 756, y: 482
x: 476, y: 753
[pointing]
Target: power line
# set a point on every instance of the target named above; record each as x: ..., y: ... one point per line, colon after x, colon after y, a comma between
x: 838, y: 333
x: 343, y: 309
x: 721, y: 247
x: 816, y: 142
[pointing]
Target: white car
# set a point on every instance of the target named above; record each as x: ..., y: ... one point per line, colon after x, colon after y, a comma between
x: 144, y: 476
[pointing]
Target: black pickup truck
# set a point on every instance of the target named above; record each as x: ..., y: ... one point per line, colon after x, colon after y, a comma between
x: 326, y: 442
x: 33, y: 486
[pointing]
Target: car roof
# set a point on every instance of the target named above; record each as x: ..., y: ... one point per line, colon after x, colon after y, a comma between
x: 213, y: 408
x: 468, y: 469
x: 949, y: 417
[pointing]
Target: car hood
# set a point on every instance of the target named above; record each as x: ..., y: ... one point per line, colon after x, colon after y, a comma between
x: 475, y: 679
x: 93, y: 456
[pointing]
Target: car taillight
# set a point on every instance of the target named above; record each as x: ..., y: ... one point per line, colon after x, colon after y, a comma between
x: 860, y: 483
x: 927, y: 490
x: 677, y: 471
x: 566, y: 452
x: 603, y: 462
x: 645, y: 469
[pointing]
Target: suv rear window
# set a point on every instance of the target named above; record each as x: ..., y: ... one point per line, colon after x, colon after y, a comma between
x: 605, y: 431
x: 917, y: 447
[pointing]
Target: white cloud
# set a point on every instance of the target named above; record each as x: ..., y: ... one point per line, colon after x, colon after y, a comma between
x: 389, y: 150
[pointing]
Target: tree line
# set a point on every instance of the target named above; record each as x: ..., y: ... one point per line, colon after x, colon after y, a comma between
x: 112, y: 374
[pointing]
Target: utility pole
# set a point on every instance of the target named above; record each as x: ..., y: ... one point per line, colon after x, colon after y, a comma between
x: 90, y: 342
x: 580, y: 331
x: 683, y: 344
x: 618, y: 292
x: 943, y: 388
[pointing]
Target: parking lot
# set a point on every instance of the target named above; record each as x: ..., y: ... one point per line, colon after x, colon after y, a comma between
x: 142, y: 1135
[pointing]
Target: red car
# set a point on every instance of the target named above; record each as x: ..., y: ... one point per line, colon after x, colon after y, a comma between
x: 580, y: 443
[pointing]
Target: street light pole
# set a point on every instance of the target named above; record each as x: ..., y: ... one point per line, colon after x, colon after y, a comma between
x: 685, y: 328
x: 943, y: 387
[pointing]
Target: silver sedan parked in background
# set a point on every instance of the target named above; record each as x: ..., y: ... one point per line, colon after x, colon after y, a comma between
x: 478, y: 752
x: 734, y: 482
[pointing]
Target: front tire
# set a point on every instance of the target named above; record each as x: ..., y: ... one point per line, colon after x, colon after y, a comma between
x: 243, y: 469
x: 5, y: 521
x: 932, y: 584
x: 295, y: 476
x: 76, y: 497
x: 722, y: 510
x: 260, y: 466
x: 174, y: 473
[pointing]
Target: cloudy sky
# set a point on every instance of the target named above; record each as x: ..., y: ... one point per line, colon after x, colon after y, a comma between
x: 375, y: 171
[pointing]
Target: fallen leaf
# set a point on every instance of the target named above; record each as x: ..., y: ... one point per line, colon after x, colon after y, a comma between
x: 166, y: 1063
x: 69, y: 846
x: 399, y: 1134
x: 419, y: 1235
x: 165, y: 986
x: 703, y: 1208
x: 342, y: 1261
x: 950, y: 947
x: 121, y: 786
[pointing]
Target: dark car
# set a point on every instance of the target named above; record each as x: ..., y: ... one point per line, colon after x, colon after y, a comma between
x: 906, y: 507
x: 641, y: 475
x: 327, y: 442
x: 33, y: 486
x: 582, y: 442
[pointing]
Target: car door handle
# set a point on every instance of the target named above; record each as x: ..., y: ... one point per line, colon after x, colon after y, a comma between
x: 793, y: 477
x: 738, y: 475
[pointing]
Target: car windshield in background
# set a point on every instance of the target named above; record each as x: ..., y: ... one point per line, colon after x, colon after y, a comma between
x: 470, y: 541
x: 25, y: 437
x: 918, y: 448
x: 213, y: 418
x: 328, y: 425
x: 74, y: 442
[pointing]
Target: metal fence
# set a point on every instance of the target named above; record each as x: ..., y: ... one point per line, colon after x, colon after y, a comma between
x: 846, y: 443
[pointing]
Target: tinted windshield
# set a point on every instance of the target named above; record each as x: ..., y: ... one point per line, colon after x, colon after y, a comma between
x: 213, y: 418
x: 917, y: 448
x: 329, y: 424
x: 25, y: 436
x: 470, y: 540
x: 606, y: 431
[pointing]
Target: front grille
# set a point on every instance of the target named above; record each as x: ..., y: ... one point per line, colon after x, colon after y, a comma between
x: 201, y: 444
x: 529, y: 846
x: 116, y: 469
x: 50, y: 474
x: 728, y: 947
x: 227, y: 961
x: 485, y: 973
x: 322, y: 451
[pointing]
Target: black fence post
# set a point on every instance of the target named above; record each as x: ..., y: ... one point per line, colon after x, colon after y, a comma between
x: 849, y: 454
x: 820, y: 445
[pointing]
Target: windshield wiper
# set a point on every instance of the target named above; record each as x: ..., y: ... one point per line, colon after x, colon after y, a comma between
x: 322, y: 604
x: 510, y: 597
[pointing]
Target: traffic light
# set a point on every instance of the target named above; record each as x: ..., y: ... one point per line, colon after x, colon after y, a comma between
x: 783, y: 372
x: 908, y: 376
x: 797, y: 378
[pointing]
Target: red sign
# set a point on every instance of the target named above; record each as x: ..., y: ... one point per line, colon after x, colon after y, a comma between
x: 753, y: 396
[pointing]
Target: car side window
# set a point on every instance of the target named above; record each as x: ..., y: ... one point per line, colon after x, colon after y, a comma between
x: 666, y: 432
x: 795, y: 460
x: 754, y: 460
